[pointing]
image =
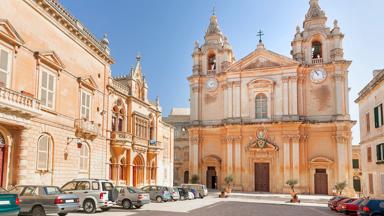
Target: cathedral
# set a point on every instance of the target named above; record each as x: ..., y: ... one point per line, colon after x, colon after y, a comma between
x: 267, y: 118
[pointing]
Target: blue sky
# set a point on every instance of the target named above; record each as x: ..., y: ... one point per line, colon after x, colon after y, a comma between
x: 164, y: 31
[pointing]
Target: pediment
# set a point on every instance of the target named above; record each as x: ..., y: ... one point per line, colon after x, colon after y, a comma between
x: 262, y: 58
x: 50, y: 59
x: 9, y: 33
x: 87, y: 82
x: 323, y: 160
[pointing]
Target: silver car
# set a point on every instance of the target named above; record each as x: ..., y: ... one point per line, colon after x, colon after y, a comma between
x: 42, y: 200
x: 130, y: 196
x: 94, y: 194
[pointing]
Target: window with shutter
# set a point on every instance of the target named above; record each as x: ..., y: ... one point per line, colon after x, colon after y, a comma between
x: 378, y: 153
x: 369, y: 154
x: 355, y: 163
x: 5, y: 67
x: 84, y: 157
x: 367, y: 122
x: 370, y: 180
x: 47, y: 89
x: 378, y: 116
x: 43, y: 152
x: 85, y: 107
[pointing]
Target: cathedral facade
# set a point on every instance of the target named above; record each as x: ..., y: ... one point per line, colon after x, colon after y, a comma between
x: 268, y: 118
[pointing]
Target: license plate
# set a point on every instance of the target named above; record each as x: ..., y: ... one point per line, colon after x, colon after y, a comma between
x: 69, y: 201
x: 5, y: 202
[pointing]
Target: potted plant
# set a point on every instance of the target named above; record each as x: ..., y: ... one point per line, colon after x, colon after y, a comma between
x: 228, y: 181
x: 195, y: 179
x: 292, y: 183
x: 340, y: 186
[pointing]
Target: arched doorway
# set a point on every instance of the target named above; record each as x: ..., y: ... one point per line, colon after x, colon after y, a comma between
x: 186, y: 177
x: 357, y: 183
x: 2, y: 159
x: 211, y: 178
x: 138, y: 171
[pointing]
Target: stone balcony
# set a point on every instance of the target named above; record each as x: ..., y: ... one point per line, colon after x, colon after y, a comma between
x: 317, y: 61
x: 121, y: 139
x: 154, y: 146
x: 18, y: 104
x: 86, y: 129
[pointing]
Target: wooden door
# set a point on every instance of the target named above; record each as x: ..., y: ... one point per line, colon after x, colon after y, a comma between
x: 321, y: 181
x: 211, y: 174
x: 186, y: 177
x: 262, y: 177
x: 1, y: 164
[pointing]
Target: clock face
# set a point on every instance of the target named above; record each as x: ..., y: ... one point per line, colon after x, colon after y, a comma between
x: 211, y: 84
x: 318, y: 75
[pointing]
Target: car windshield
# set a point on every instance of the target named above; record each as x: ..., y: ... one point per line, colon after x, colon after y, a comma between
x: 134, y: 190
x: 16, y: 190
x: 52, y: 190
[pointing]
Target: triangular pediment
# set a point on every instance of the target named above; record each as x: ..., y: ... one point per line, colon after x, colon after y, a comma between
x: 88, y: 82
x: 262, y: 58
x: 9, y: 34
x: 51, y: 59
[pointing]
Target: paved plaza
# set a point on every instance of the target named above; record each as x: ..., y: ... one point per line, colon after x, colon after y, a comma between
x: 213, y: 206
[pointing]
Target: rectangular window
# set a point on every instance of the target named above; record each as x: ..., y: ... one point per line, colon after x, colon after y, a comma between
x: 378, y: 116
x: 370, y: 180
x: 47, y: 89
x: 369, y: 154
x: 141, y: 128
x: 355, y: 163
x: 382, y: 183
x: 367, y: 122
x: 380, y: 152
x: 85, y: 105
x: 5, y: 67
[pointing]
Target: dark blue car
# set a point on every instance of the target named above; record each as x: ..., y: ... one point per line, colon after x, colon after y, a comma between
x: 371, y: 207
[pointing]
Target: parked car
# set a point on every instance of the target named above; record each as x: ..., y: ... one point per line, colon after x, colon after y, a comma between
x: 371, y: 207
x: 157, y: 193
x: 40, y: 200
x: 9, y: 203
x: 332, y: 203
x: 183, y: 192
x: 191, y: 195
x: 194, y: 192
x: 94, y: 194
x: 174, y: 193
x: 351, y: 208
x: 341, y: 205
x: 130, y: 196
x: 201, y: 189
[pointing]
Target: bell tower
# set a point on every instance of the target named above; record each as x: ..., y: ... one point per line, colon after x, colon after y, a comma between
x: 319, y: 50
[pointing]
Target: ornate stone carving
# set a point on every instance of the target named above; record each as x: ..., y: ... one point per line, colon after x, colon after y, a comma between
x: 261, y: 142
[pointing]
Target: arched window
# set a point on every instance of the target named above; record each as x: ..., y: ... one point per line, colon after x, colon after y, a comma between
x: 44, y: 146
x: 122, y: 169
x: 261, y: 103
x: 212, y: 61
x: 118, y: 116
x: 316, y: 50
x: 84, y: 158
x: 152, y: 130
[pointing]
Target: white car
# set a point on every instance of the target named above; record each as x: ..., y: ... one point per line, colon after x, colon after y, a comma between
x: 190, y: 195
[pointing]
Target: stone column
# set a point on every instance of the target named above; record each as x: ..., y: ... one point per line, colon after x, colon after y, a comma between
x: 285, y: 96
x: 229, y: 140
x: 339, y: 93
x: 237, y: 162
x: 342, y: 170
x: 230, y: 101
x: 236, y: 98
x: 225, y: 89
x: 287, y: 158
x: 300, y: 98
x: 293, y: 97
x: 194, y: 155
x: 194, y: 102
x: 296, y: 157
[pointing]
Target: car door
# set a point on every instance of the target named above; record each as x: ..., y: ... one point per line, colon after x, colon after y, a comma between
x: 48, y: 195
x: 28, y: 198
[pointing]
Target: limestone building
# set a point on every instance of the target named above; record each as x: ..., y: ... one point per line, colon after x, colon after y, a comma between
x: 370, y: 101
x: 57, y: 103
x: 268, y: 118
x: 179, y: 118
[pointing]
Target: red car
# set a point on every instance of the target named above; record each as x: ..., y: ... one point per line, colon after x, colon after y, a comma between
x: 341, y: 205
x: 351, y: 208
x: 332, y: 204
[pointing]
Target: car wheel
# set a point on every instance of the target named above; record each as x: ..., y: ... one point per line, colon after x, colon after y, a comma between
x: 159, y: 199
x: 127, y: 204
x: 89, y: 206
x: 38, y: 211
x: 62, y: 214
x: 138, y: 206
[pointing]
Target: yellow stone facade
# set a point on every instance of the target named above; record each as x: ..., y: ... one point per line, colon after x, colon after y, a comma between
x: 267, y: 118
x: 370, y: 100
x: 57, y: 100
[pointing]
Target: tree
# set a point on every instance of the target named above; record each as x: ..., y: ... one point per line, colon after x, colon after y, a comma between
x: 194, y: 179
x: 340, y: 186
x: 229, y: 180
x: 292, y: 183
